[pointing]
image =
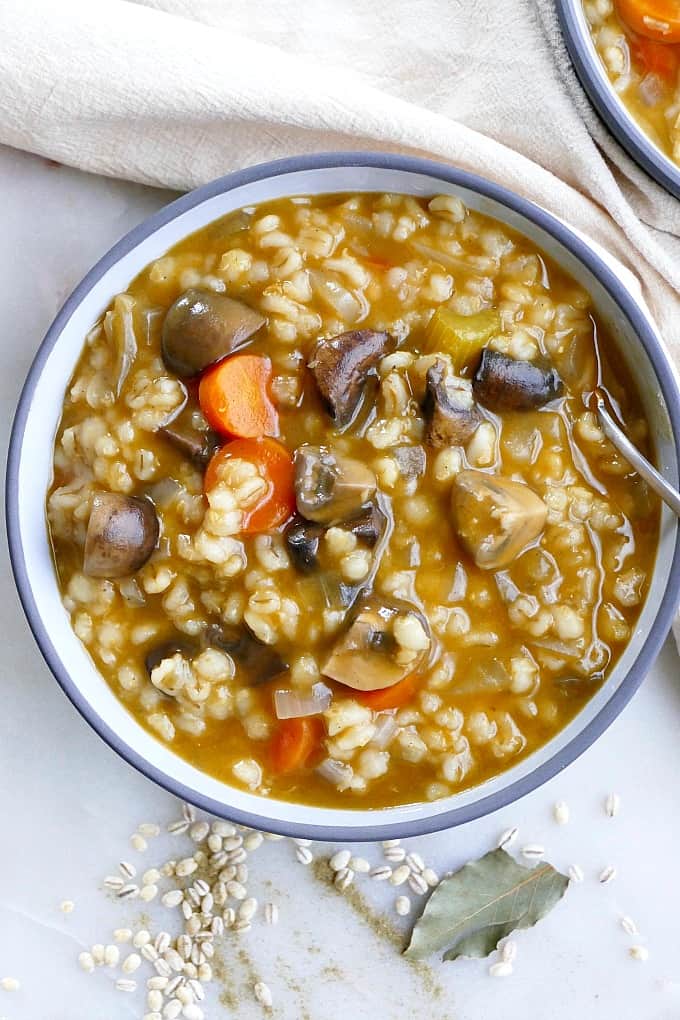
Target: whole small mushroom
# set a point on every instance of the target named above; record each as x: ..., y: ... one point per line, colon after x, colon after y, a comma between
x: 502, y: 383
x: 329, y: 486
x: 385, y: 643
x: 495, y: 517
x: 450, y: 408
x: 203, y: 327
x: 341, y: 366
x: 121, y: 535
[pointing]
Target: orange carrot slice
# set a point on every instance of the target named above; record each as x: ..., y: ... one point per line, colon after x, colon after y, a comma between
x: 234, y: 397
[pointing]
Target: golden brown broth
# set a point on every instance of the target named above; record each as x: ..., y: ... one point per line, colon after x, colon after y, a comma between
x: 556, y: 702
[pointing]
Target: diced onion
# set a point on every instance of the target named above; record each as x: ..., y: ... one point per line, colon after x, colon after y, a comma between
x: 385, y: 730
x: 651, y: 90
x: 131, y: 592
x: 293, y: 705
x: 507, y: 589
x: 571, y: 651
x: 164, y: 491
x: 336, y: 772
x: 460, y: 583
x: 348, y: 307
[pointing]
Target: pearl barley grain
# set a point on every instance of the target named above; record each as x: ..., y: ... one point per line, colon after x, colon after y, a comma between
x: 500, y: 970
x: 402, y: 905
x: 561, y: 812
x: 639, y: 953
x: 10, y: 984
x: 67, y: 906
x: 263, y: 994
x: 86, y: 961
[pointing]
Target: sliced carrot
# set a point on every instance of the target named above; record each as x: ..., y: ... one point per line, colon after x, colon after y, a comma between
x: 275, y: 465
x: 390, y: 697
x: 294, y: 742
x: 655, y: 19
x: 234, y: 397
x: 378, y: 262
x: 655, y: 57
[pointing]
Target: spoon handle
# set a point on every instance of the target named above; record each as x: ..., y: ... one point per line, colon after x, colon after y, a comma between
x: 617, y: 436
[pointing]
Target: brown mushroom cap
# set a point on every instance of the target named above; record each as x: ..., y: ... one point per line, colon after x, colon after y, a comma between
x: 121, y: 535
x: 198, y: 445
x: 329, y: 486
x: 495, y: 517
x: 342, y: 365
x: 203, y: 327
x: 507, y: 384
x: 383, y: 645
x: 449, y: 407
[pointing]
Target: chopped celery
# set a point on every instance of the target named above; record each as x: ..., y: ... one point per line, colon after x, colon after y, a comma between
x: 460, y: 336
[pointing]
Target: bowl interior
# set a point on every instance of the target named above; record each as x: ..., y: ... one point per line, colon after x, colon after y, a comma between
x: 607, y: 101
x: 31, y: 465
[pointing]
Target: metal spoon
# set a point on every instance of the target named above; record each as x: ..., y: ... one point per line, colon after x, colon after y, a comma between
x: 618, y: 437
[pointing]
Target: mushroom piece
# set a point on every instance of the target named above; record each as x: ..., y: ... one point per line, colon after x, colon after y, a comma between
x: 495, y: 518
x: 198, y: 445
x: 506, y: 384
x: 368, y: 524
x: 121, y: 535
x: 167, y: 649
x: 411, y: 460
x: 257, y: 663
x: 342, y: 365
x: 328, y: 486
x: 449, y: 407
x: 202, y: 327
x: 383, y: 645
x: 302, y: 541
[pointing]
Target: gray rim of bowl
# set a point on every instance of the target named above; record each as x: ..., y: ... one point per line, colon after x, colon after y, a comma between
x: 621, y: 124
x: 486, y: 804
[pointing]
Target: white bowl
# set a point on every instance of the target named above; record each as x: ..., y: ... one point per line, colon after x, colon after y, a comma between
x: 30, y: 469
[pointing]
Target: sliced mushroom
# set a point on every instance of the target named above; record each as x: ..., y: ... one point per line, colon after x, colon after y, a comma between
x: 368, y: 524
x: 383, y: 645
x: 342, y: 365
x: 506, y: 384
x: 449, y: 407
x: 257, y: 663
x: 302, y: 541
x: 121, y: 535
x: 495, y: 518
x: 166, y: 650
x: 412, y: 460
x: 202, y: 327
x: 329, y: 486
x: 198, y: 445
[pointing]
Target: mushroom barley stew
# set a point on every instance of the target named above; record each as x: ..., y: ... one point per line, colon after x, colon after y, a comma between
x: 639, y: 44
x: 329, y: 510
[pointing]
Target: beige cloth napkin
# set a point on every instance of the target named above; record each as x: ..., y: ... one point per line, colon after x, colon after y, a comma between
x: 175, y: 92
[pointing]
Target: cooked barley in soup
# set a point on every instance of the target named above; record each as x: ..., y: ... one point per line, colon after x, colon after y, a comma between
x: 330, y: 512
x: 639, y: 43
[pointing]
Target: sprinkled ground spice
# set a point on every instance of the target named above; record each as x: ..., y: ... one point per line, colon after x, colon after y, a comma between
x: 207, y: 891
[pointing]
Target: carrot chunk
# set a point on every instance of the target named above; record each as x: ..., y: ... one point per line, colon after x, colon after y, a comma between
x: 655, y: 19
x: 275, y: 465
x: 294, y: 742
x: 234, y: 397
x: 390, y: 697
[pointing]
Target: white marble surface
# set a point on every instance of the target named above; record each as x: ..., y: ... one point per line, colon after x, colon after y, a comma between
x: 68, y: 804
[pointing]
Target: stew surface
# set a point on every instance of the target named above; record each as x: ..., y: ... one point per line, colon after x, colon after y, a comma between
x: 329, y: 510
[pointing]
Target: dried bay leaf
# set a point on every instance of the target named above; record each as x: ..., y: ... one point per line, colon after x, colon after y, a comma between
x: 484, y: 901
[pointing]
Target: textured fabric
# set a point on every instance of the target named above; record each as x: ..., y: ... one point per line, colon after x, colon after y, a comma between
x: 175, y: 92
